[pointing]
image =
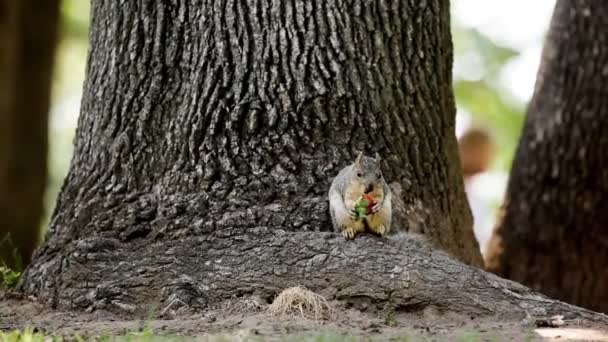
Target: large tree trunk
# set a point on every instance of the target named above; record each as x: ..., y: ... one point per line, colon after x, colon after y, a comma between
x: 208, y: 127
x: 28, y: 31
x: 553, y: 235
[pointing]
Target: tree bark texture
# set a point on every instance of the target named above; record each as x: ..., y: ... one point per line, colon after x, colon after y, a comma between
x: 204, y: 123
x: 28, y: 32
x: 553, y: 235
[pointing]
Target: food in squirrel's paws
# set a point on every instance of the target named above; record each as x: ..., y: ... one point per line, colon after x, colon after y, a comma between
x: 354, y: 210
x: 364, y: 206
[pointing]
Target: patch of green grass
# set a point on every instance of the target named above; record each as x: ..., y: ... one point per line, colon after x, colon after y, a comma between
x: 8, y: 277
x: 390, y: 319
x: 146, y: 335
x: 468, y: 337
x: 10, y: 270
x: 530, y: 335
x: 27, y: 335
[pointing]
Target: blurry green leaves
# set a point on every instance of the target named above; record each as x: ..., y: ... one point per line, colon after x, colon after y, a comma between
x: 8, y: 277
x: 479, y: 62
x: 491, y: 56
x: 490, y: 107
x: 71, y: 51
x: 75, y: 18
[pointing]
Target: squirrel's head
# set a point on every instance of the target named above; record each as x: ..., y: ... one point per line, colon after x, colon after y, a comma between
x: 367, y: 172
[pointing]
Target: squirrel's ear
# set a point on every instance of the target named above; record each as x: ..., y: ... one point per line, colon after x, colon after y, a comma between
x: 359, y: 158
x: 377, y: 157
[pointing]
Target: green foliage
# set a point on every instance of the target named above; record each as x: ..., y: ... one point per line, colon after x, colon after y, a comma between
x: 75, y: 18
x: 27, y: 335
x: 8, y: 277
x: 480, y: 91
x: 390, y: 319
x: 469, y: 336
x: 492, y: 109
x: 492, y: 57
x: 147, y: 335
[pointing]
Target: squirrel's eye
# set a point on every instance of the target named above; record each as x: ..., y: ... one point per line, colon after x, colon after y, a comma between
x: 378, y: 174
x: 359, y: 174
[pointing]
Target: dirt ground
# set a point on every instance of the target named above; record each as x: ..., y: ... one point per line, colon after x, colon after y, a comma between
x: 245, y: 319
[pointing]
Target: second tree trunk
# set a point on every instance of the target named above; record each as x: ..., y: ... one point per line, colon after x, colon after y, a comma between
x: 553, y: 235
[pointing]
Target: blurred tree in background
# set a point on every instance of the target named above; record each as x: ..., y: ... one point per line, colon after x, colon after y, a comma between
x: 553, y: 236
x: 479, y: 90
x: 28, y: 32
x: 497, y: 50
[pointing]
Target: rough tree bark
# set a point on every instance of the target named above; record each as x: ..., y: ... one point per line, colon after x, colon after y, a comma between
x: 209, y: 133
x: 553, y: 235
x: 28, y: 32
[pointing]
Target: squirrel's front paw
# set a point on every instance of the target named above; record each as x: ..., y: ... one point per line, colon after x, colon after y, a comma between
x: 376, y: 207
x: 349, y: 233
x: 381, y: 230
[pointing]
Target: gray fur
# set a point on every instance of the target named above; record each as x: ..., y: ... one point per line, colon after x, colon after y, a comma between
x: 337, y: 189
x: 369, y: 169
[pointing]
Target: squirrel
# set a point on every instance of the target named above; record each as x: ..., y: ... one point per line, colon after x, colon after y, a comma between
x: 362, y: 179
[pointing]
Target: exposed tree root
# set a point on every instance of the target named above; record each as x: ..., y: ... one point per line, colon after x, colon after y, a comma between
x: 402, y: 273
